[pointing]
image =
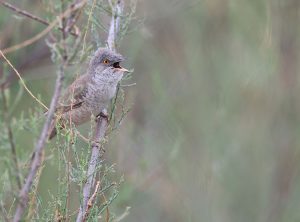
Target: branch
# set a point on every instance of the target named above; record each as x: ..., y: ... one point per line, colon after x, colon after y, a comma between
x: 33, y: 17
x: 91, y: 201
x: 102, y: 121
x: 114, y: 23
x: 45, y: 31
x: 72, y: 18
x: 36, y: 162
x: 39, y: 148
x: 96, y: 155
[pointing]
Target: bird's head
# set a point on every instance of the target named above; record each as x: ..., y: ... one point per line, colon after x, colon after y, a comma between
x: 106, y: 63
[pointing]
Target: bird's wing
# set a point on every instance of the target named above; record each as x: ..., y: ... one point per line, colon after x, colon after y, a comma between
x: 73, y: 97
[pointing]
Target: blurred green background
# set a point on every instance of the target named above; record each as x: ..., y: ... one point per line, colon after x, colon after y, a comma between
x: 213, y: 134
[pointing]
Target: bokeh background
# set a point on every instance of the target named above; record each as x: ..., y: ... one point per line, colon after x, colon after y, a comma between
x: 213, y: 134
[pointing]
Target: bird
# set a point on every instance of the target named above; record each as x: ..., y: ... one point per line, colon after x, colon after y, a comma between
x: 91, y: 93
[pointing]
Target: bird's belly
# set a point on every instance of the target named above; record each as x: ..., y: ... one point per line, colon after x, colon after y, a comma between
x: 97, y: 106
x: 78, y: 116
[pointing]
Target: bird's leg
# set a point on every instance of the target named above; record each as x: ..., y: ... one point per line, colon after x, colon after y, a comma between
x: 103, y: 114
x: 99, y: 145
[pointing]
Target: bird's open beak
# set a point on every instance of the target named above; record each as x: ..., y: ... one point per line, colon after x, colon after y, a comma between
x: 123, y: 69
x: 117, y: 66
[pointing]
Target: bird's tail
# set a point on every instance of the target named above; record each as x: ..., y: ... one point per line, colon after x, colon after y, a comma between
x: 52, y: 130
x: 56, y: 124
x: 52, y: 133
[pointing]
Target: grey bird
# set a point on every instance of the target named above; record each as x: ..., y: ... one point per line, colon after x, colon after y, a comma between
x: 90, y: 93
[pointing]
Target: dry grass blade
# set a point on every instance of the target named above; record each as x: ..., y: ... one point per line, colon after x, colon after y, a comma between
x: 22, y: 81
x: 37, y: 158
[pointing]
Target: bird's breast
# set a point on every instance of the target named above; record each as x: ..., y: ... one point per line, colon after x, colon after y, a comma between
x: 98, y: 95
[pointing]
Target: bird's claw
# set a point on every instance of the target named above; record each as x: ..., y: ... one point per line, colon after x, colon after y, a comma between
x: 98, y: 145
x: 103, y: 114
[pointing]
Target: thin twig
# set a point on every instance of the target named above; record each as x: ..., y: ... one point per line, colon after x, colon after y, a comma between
x: 64, y: 60
x: 123, y: 215
x: 45, y: 31
x: 31, y: 94
x: 128, y: 85
x: 73, y: 17
x: 22, y: 81
x: 3, y: 212
x: 114, y: 28
x: 91, y: 201
x: 38, y: 54
x: 36, y: 163
x: 102, y: 121
x: 97, y: 153
x: 32, y: 208
x: 87, y: 25
x: 31, y: 16
x: 11, y: 140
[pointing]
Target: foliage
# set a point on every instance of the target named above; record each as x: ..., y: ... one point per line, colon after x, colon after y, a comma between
x: 67, y: 155
x: 212, y: 134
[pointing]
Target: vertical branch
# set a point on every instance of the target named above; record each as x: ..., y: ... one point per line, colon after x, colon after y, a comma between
x: 114, y: 28
x: 92, y: 200
x: 64, y: 60
x: 102, y: 121
x: 96, y: 155
x: 38, y: 152
x: 37, y: 158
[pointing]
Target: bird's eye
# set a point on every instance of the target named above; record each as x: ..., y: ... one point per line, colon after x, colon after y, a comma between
x: 105, y: 61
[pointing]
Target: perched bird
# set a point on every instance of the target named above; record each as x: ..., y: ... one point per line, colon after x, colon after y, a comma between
x: 90, y: 93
